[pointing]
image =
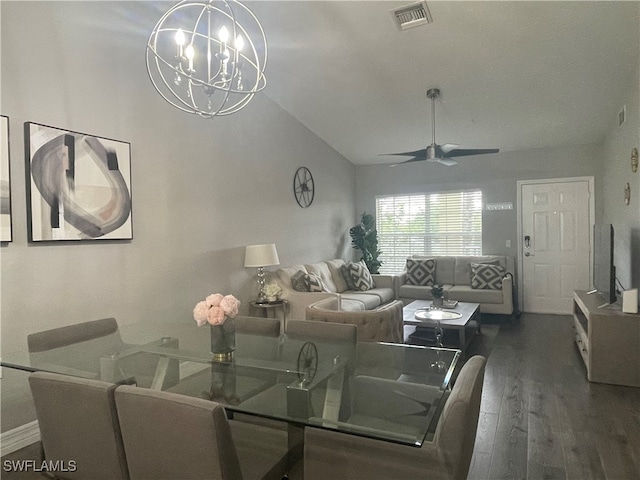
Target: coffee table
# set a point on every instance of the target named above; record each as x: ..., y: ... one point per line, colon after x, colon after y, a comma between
x: 467, y: 325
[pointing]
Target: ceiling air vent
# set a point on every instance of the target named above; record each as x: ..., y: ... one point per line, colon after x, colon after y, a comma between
x: 412, y: 15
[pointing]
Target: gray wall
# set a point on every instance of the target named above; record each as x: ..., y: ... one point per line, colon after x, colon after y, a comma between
x: 617, y: 172
x: 202, y: 189
x: 496, y: 175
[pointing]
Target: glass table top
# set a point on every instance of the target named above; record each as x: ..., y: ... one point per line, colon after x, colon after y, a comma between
x: 387, y: 391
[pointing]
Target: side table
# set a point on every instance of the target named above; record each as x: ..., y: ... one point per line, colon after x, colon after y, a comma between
x: 266, y: 307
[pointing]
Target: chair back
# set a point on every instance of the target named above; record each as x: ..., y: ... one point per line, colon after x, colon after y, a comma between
x: 70, y: 334
x: 169, y: 436
x: 78, y: 421
x: 267, y: 327
x: 456, y: 431
x: 308, y: 329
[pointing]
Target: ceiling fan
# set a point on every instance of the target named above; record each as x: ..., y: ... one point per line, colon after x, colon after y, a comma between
x: 439, y: 153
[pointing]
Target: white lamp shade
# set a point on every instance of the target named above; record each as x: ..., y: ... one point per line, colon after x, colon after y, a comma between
x: 261, y: 255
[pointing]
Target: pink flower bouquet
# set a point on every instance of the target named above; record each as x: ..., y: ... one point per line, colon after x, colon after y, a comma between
x: 215, y: 309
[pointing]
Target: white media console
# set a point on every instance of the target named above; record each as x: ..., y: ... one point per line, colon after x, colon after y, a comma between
x: 608, y: 340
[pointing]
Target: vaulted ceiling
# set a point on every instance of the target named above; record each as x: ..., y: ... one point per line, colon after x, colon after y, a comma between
x: 513, y: 75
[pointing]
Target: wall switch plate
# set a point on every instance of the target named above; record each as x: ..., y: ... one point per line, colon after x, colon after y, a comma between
x: 507, y: 244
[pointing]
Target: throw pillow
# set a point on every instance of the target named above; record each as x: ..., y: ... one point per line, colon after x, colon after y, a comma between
x: 486, y: 276
x: 362, y: 279
x: 315, y: 283
x: 344, y: 269
x: 299, y: 281
x: 421, y: 271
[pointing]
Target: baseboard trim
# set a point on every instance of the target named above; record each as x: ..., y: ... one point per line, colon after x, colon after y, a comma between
x: 19, y: 437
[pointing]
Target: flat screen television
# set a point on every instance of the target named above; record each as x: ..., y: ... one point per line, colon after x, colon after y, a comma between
x: 604, y: 271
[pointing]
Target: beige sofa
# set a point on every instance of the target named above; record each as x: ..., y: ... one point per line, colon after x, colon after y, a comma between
x: 382, y: 324
x: 454, y: 272
x: 336, y: 287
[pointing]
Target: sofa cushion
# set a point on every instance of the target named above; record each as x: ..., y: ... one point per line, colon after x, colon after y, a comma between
x: 285, y: 274
x: 361, y: 277
x: 321, y: 269
x: 335, y: 267
x: 384, y: 294
x: 299, y: 281
x: 370, y: 302
x: 315, y: 283
x: 464, y: 293
x: 486, y: 276
x: 418, y: 293
x: 421, y: 271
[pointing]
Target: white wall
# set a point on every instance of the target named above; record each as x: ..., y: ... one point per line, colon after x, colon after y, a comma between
x: 202, y: 189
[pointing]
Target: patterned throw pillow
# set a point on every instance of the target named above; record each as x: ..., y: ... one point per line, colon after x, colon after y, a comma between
x: 315, y: 283
x: 344, y: 269
x: 421, y: 271
x: 362, y: 279
x: 486, y: 276
x: 299, y: 281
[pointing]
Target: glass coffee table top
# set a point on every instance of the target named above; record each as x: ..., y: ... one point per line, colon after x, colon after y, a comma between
x: 437, y: 315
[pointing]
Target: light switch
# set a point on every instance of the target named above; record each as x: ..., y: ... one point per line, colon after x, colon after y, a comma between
x: 507, y: 244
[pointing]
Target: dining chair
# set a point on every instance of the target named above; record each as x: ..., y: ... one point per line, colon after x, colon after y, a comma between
x: 80, y: 349
x: 171, y: 436
x: 78, y: 423
x: 267, y: 327
x: 332, y: 454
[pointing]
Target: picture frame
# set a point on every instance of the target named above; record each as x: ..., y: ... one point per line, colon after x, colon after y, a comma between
x: 6, y: 228
x: 78, y: 186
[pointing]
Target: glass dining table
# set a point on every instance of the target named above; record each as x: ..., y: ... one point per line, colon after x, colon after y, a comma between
x: 391, y: 392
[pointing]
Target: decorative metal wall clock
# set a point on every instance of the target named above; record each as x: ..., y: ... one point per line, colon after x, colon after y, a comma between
x: 303, y: 187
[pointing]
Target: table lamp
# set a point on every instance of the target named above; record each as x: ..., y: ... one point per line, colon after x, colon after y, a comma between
x: 261, y: 256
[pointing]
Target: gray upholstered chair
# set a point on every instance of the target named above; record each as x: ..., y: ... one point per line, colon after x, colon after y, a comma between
x: 171, y: 436
x: 267, y: 327
x: 331, y: 454
x: 84, y: 345
x: 78, y: 422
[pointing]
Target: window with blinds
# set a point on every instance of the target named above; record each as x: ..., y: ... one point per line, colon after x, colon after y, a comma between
x: 428, y: 224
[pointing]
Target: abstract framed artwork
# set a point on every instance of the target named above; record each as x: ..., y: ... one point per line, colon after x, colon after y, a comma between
x: 78, y: 185
x: 5, y: 182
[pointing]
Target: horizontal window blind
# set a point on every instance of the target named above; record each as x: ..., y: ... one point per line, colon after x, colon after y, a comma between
x: 428, y: 224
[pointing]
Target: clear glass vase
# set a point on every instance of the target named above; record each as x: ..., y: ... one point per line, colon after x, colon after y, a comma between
x: 223, y: 340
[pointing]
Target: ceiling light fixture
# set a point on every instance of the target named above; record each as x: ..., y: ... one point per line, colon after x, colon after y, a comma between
x: 208, y: 57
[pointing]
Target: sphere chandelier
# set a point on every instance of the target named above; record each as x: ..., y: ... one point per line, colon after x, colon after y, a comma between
x: 207, y: 57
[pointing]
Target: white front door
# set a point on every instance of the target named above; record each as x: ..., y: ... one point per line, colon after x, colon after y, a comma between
x: 555, y: 244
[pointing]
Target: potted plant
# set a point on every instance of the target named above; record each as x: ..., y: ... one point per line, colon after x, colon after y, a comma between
x: 437, y: 294
x: 364, y: 237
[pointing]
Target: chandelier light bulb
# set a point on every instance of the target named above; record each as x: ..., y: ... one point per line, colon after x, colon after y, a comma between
x: 180, y: 37
x: 223, y: 34
x: 239, y: 43
x: 194, y: 61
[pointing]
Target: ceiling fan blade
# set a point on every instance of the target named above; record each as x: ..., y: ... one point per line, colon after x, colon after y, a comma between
x: 414, y: 159
x: 447, y: 147
x: 417, y: 153
x: 463, y: 152
x: 447, y: 161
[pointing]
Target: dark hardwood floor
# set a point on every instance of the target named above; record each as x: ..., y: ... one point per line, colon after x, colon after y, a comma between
x: 540, y: 417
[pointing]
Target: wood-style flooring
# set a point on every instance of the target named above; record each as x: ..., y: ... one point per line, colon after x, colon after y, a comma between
x: 540, y: 417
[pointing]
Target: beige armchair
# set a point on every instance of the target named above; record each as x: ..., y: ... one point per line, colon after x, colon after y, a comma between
x: 383, y: 324
x: 331, y: 454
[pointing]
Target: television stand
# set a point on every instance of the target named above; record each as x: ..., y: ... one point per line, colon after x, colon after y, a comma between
x: 608, y: 340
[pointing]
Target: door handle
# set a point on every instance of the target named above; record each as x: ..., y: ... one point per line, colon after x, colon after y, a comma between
x: 527, y: 254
